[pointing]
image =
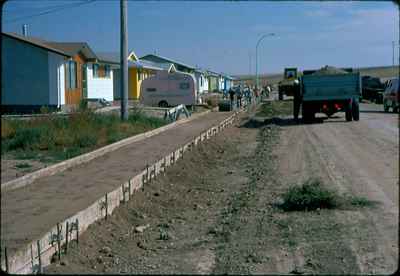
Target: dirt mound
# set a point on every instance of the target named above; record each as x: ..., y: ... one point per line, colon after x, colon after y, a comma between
x: 329, y: 70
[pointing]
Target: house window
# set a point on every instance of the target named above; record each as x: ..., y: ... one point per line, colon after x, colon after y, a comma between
x: 151, y: 89
x: 71, y: 74
x: 107, y: 71
x: 95, y: 70
x: 184, y: 85
x: 201, y: 81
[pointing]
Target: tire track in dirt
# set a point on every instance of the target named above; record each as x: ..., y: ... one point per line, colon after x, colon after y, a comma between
x: 348, y: 153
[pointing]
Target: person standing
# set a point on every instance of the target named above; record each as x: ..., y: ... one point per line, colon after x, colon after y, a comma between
x: 231, y: 97
x: 239, y: 98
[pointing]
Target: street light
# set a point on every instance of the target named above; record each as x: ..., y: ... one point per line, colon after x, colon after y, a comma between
x: 258, y: 42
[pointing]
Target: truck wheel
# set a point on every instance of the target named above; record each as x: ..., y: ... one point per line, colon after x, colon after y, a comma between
x: 385, y: 106
x: 348, y: 111
x: 356, y: 111
x: 163, y: 104
x: 306, y: 113
x: 394, y: 107
x: 296, y: 108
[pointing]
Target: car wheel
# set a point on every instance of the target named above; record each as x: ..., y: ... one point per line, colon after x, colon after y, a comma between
x: 163, y: 104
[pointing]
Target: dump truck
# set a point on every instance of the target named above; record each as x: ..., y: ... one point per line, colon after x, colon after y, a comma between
x: 328, y: 90
x: 290, y: 83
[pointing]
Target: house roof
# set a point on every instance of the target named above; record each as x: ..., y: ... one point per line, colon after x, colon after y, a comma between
x: 211, y: 73
x: 36, y: 42
x: 168, y: 60
x: 108, y: 57
x: 72, y: 48
x: 145, y: 64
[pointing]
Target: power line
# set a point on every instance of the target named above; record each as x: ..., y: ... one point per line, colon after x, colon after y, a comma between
x: 59, y: 8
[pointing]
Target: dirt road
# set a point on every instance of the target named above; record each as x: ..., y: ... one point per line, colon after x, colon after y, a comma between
x: 28, y: 212
x: 216, y: 210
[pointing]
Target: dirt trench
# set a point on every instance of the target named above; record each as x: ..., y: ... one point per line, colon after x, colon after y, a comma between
x: 215, y: 211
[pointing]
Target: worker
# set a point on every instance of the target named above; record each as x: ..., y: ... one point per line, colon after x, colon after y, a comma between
x: 239, y: 98
x: 231, y: 96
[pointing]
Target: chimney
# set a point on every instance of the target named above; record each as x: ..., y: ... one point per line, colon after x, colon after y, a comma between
x: 25, y: 30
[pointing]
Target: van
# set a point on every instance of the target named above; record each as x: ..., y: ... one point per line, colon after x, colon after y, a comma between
x: 391, y: 95
x: 169, y: 89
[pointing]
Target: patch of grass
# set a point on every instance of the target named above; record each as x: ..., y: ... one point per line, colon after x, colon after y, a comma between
x: 275, y: 108
x: 311, y: 195
x: 23, y: 165
x: 59, y: 138
x: 358, y: 201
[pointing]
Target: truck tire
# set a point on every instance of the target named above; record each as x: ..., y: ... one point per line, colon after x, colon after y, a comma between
x: 280, y: 97
x: 349, y: 115
x: 385, y: 107
x: 307, y: 113
x: 356, y: 110
x: 163, y: 104
x: 296, y: 108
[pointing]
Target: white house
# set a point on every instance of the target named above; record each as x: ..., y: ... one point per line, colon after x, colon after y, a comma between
x: 95, y: 74
x: 33, y: 74
x: 201, y: 81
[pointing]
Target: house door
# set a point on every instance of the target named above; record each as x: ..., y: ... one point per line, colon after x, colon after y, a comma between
x: 84, y: 81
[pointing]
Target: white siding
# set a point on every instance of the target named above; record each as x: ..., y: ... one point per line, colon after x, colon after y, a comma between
x: 56, y: 79
x: 99, y: 87
x: 61, y: 83
x: 202, y: 83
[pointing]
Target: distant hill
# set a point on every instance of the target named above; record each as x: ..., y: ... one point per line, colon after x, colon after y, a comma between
x: 383, y: 72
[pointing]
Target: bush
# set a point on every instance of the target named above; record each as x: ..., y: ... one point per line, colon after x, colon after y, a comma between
x: 212, y: 101
x: 311, y: 195
x: 24, y: 138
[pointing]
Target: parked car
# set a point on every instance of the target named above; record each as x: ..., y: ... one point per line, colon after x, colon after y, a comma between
x: 391, y: 95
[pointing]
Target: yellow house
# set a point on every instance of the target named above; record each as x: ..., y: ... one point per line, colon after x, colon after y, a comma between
x: 138, y: 70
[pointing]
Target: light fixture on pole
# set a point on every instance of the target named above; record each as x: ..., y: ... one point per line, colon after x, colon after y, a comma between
x: 258, y: 43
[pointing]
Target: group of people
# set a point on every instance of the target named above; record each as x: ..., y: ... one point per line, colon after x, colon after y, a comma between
x: 243, y: 95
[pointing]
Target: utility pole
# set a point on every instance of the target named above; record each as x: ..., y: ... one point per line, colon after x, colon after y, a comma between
x: 124, y: 61
x: 249, y: 63
x: 393, y: 53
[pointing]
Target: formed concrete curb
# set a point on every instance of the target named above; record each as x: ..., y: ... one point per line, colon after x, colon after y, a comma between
x: 84, y: 158
x: 26, y: 260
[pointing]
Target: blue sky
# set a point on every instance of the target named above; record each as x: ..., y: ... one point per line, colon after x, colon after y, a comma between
x: 222, y: 35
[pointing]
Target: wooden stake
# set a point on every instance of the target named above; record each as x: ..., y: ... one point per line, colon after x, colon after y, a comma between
x: 106, y: 206
x: 129, y: 191
x: 66, y: 237
x: 77, y: 231
x: 39, y: 256
x: 32, y: 258
x: 59, y: 240
x: 123, y: 193
x: 6, y: 259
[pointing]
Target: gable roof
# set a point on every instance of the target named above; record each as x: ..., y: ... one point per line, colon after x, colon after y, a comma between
x: 145, y: 64
x: 72, y: 48
x: 211, y: 73
x: 36, y: 42
x: 168, y: 60
x: 108, y: 57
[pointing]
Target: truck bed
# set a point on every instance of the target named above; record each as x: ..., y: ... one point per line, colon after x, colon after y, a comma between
x: 330, y: 87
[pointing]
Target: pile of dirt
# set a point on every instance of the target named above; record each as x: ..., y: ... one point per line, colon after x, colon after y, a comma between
x: 329, y: 70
